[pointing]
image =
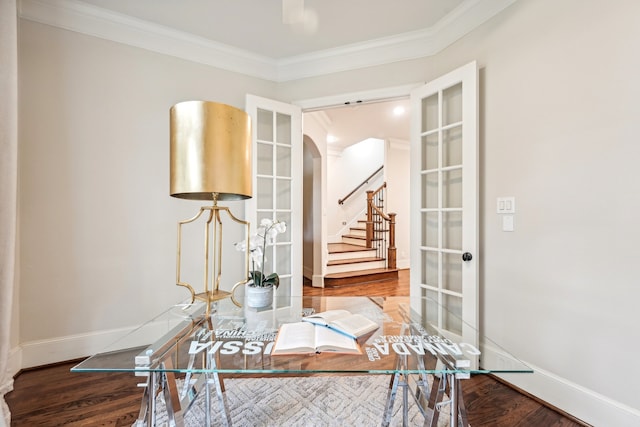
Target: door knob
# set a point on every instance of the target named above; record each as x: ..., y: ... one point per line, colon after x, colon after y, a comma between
x: 467, y: 256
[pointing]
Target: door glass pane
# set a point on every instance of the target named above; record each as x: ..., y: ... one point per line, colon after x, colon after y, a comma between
x: 269, y: 252
x: 430, y: 229
x: 430, y: 268
x: 283, y: 123
x: 452, y: 105
x: 430, y: 151
x: 452, y: 230
x: 283, y: 159
x: 265, y: 193
x: 452, y: 316
x: 285, y: 286
x: 452, y: 189
x: 430, y: 190
x: 430, y: 113
x: 452, y: 146
x: 283, y: 189
x: 265, y: 125
x: 452, y: 272
x: 286, y: 217
x: 283, y: 259
x: 430, y: 307
x: 265, y: 159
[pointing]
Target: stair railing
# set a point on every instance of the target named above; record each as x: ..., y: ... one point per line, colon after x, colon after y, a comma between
x: 377, y: 220
x: 359, y: 186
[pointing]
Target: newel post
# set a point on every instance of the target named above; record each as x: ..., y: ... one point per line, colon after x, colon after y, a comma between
x: 391, y: 252
x: 369, y: 230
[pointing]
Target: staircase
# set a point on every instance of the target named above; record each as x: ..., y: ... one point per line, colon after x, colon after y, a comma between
x: 351, y: 262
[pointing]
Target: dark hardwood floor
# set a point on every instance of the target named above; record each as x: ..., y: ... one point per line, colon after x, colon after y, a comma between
x: 53, y: 396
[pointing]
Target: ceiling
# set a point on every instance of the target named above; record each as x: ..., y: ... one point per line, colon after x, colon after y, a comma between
x: 282, y: 40
x: 354, y: 123
x: 257, y: 25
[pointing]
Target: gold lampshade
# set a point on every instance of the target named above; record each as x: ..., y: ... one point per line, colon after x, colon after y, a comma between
x: 210, y: 151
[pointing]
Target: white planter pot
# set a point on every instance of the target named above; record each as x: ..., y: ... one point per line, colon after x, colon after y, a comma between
x: 258, y: 297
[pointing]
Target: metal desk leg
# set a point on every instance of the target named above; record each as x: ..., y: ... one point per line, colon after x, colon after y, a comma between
x: 391, y: 397
x: 451, y: 384
x: 214, y: 378
x: 175, y: 411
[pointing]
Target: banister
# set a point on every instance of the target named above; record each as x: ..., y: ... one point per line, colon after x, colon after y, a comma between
x: 382, y: 214
x: 363, y: 183
x: 390, y: 219
x: 383, y: 186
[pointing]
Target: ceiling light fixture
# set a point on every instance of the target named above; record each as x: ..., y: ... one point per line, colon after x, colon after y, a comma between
x: 301, y: 19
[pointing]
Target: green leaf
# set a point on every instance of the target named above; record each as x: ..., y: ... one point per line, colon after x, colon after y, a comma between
x: 256, y: 276
x: 272, y: 279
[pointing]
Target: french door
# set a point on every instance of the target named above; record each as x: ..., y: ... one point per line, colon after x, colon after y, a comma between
x: 277, y: 186
x: 444, y: 203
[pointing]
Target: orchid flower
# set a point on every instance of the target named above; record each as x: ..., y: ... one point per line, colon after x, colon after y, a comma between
x: 264, y: 236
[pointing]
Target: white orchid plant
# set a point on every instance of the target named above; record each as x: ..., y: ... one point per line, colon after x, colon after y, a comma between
x: 258, y: 242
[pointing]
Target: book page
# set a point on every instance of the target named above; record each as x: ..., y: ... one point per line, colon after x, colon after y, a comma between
x: 295, y: 338
x: 326, y: 317
x: 331, y: 341
x: 355, y: 325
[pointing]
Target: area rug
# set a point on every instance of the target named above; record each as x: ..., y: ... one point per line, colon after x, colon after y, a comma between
x: 357, y: 400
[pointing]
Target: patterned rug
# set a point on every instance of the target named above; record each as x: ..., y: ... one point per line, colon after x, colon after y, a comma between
x: 357, y: 400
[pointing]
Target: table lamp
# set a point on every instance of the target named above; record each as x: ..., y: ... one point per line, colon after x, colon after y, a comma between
x: 210, y: 160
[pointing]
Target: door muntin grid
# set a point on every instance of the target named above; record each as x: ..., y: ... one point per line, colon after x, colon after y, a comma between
x: 274, y: 197
x: 441, y: 171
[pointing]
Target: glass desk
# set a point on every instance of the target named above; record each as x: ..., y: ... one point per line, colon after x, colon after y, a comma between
x: 181, y: 353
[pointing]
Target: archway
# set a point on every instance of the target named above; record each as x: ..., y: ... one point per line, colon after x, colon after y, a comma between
x: 312, y: 218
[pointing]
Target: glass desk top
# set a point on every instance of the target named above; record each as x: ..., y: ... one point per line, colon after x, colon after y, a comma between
x: 239, y: 340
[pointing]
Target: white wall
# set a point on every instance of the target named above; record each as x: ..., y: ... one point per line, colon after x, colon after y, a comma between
x: 347, y: 170
x: 397, y: 160
x: 98, y: 227
x: 559, y: 128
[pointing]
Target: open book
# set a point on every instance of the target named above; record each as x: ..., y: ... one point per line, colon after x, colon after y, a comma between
x: 353, y: 325
x: 302, y: 337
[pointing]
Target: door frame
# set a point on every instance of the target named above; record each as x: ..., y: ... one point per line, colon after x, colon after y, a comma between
x: 321, y: 254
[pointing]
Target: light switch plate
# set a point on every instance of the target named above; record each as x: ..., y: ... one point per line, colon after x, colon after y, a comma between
x: 507, y: 223
x: 506, y: 205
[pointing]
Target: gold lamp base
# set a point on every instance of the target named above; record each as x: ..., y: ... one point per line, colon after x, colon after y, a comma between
x: 214, y: 293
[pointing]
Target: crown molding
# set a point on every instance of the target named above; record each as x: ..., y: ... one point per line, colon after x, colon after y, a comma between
x: 87, y: 19
x: 94, y: 21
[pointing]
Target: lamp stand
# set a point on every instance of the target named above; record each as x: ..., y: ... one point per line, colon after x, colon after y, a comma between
x: 212, y: 293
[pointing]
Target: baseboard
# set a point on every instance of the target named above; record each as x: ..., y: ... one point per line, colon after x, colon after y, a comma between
x: 307, y: 272
x: 318, y: 281
x: 584, y: 404
x: 71, y: 347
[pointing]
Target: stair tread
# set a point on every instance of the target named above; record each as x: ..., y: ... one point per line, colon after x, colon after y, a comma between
x: 357, y: 273
x: 365, y: 229
x: 354, y: 260
x: 355, y: 236
x: 337, y: 248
